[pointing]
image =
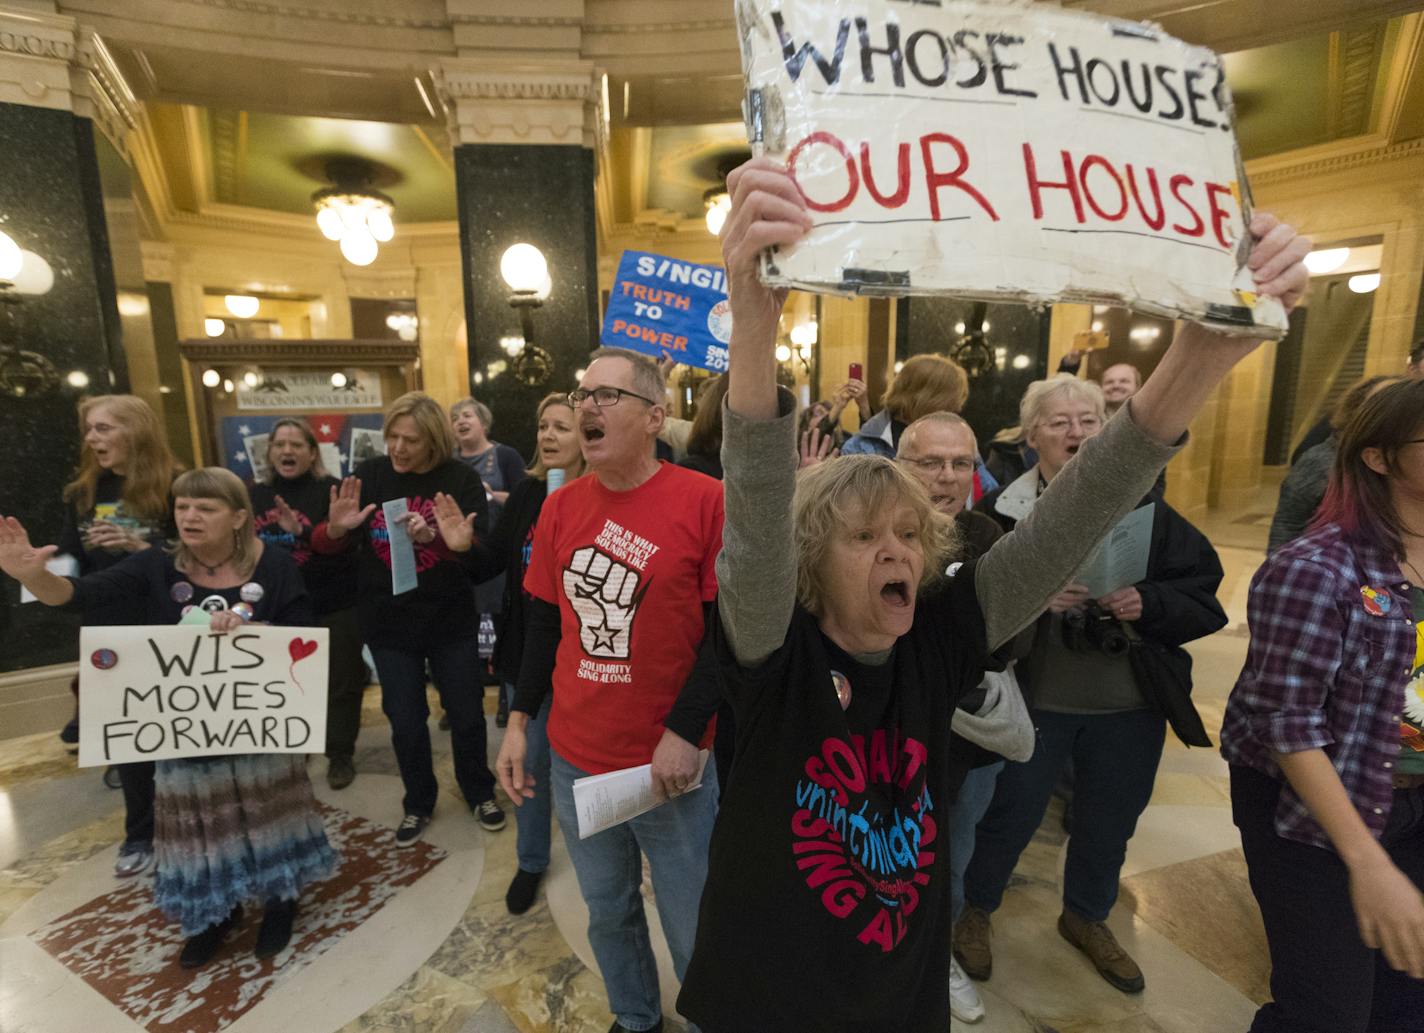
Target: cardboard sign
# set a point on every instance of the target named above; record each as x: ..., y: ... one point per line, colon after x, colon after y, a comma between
x: 168, y: 691
x: 1003, y: 152
x: 660, y: 304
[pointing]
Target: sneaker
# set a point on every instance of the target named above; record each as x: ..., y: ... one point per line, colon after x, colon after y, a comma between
x: 1096, y: 940
x: 520, y: 897
x: 964, y: 1003
x: 199, y: 950
x: 133, y: 859
x: 276, y: 930
x: 411, y: 828
x: 972, y: 938
x: 112, y: 778
x: 340, y: 772
x: 490, y: 817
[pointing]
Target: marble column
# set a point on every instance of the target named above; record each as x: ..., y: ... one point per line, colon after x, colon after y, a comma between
x: 524, y: 146
x: 56, y: 86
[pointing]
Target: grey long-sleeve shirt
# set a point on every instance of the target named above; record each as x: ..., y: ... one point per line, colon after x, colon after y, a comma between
x: 756, y: 570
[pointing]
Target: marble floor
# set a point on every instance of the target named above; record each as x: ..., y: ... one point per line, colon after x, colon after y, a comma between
x: 444, y: 956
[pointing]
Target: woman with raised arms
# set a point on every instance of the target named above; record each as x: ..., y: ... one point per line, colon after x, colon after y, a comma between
x: 843, y: 652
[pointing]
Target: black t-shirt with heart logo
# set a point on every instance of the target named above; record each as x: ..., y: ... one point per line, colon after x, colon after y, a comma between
x: 829, y: 857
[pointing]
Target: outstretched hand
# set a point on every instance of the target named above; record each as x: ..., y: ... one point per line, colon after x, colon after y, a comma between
x: 18, y: 558
x: 456, y: 528
x: 287, y: 518
x: 345, y: 512
x: 816, y: 448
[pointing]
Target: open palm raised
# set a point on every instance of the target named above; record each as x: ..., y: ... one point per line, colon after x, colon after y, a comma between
x: 18, y: 558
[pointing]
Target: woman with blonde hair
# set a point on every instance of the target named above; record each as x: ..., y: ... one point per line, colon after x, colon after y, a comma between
x: 843, y: 651
x: 508, y: 551
x: 228, y: 829
x: 434, y: 621
x: 119, y: 503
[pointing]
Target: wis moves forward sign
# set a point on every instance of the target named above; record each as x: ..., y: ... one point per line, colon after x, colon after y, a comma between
x: 171, y: 691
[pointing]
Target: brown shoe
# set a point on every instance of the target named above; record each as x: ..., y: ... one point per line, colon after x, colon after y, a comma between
x: 972, y: 938
x: 1096, y: 940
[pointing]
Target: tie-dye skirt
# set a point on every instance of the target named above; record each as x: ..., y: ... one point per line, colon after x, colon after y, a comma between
x: 234, y: 829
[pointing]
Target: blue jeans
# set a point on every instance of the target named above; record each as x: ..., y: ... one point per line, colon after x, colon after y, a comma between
x: 455, y: 666
x: 532, y: 817
x: 609, y: 866
x: 1115, y: 758
x: 974, y: 798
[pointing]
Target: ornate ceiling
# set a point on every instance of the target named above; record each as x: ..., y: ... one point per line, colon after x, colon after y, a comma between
x: 246, y: 98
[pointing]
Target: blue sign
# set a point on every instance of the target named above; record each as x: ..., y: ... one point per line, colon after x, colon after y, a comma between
x: 659, y: 304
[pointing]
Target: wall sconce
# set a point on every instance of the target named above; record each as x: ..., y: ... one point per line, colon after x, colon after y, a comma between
x: 1327, y: 260
x: 526, y: 271
x: 214, y: 327
x: 22, y: 373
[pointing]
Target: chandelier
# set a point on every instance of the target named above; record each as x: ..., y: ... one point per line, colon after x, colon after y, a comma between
x: 353, y: 212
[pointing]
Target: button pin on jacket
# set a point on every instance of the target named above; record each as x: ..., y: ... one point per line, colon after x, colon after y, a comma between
x: 842, y: 687
x: 1377, y: 601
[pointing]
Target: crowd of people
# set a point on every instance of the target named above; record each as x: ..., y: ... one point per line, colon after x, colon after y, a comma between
x: 879, y: 638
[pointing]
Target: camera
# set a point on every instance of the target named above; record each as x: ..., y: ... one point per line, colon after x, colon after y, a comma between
x: 1093, y: 628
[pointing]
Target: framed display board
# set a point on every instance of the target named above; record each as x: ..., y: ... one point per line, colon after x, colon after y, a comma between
x: 238, y: 389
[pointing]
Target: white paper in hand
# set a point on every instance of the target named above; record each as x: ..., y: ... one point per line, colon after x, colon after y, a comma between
x: 1121, y: 557
x: 403, y: 575
x: 614, y: 797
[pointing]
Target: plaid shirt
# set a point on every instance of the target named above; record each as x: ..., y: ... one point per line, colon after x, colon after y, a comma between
x: 1326, y: 669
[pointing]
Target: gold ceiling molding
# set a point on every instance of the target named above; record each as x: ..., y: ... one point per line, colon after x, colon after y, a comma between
x: 1331, y: 158
x: 553, y: 104
x: 637, y: 28
x: 514, y: 86
x: 325, y: 14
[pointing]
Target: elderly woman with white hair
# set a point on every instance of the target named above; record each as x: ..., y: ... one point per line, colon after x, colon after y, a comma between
x: 1103, y: 680
x: 843, y: 651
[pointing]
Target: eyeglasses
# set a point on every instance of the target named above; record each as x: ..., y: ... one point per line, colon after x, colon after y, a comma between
x: 603, y: 397
x: 1060, y: 424
x: 933, y: 466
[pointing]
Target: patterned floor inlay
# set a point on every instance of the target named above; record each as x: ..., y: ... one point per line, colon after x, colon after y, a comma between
x: 124, y: 948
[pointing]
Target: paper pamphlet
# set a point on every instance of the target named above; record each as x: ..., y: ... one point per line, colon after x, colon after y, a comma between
x: 64, y: 565
x: 403, y: 577
x: 1121, y: 558
x: 614, y: 797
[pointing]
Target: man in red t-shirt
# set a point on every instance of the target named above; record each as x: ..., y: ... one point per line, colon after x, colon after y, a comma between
x: 621, y: 573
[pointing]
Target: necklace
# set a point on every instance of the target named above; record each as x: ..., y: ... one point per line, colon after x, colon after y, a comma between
x: 212, y: 568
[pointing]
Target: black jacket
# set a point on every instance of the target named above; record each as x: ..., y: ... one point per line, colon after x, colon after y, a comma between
x: 1179, y: 605
x: 503, y: 552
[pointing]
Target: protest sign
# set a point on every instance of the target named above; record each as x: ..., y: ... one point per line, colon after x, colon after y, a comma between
x: 168, y: 691
x: 1004, y: 152
x: 660, y: 304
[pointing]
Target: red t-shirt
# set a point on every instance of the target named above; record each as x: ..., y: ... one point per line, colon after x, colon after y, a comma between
x: 629, y: 572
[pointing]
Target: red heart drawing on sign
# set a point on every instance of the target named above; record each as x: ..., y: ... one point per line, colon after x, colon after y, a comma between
x: 299, y: 649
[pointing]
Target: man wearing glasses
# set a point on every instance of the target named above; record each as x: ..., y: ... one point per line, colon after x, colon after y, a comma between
x: 621, y: 573
x: 992, y: 722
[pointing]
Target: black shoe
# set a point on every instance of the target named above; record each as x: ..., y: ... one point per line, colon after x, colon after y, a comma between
x: 340, y: 772
x: 522, y: 891
x: 501, y: 713
x: 276, y: 929
x: 199, y: 950
x: 489, y: 815
x: 618, y: 1027
x: 111, y: 777
x: 69, y: 734
x: 411, y: 828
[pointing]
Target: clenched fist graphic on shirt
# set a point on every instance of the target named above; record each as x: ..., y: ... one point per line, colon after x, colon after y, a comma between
x: 604, y: 593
